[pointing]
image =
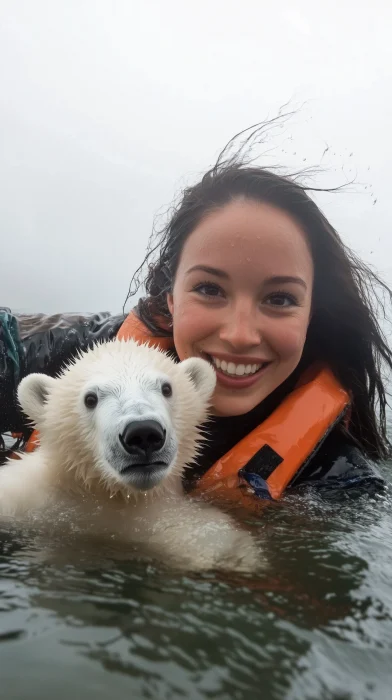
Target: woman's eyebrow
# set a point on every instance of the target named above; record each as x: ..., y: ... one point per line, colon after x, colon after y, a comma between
x: 210, y: 270
x: 286, y: 279
x: 276, y: 279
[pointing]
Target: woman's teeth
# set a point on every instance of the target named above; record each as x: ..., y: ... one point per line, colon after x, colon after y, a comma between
x: 235, y: 370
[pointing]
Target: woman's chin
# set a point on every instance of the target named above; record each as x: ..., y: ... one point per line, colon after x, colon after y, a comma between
x: 226, y: 406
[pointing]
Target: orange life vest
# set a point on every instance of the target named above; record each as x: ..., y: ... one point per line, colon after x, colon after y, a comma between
x: 273, y: 453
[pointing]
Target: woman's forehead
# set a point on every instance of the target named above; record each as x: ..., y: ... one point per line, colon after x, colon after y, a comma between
x: 251, y: 234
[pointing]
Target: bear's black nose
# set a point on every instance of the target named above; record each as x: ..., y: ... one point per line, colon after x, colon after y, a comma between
x: 142, y: 438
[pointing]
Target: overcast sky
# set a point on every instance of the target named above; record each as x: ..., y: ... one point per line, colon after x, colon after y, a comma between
x: 109, y: 107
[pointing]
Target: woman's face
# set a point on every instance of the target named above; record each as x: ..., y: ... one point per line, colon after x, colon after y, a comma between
x: 242, y: 299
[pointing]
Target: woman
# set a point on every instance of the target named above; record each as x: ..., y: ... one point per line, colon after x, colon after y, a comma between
x: 251, y: 276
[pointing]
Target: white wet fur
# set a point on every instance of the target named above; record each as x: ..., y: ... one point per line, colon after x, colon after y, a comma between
x: 79, y: 465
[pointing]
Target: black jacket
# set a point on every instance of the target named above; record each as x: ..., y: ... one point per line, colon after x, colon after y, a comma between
x: 39, y: 343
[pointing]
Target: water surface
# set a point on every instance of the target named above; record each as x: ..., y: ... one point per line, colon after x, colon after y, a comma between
x: 78, y: 621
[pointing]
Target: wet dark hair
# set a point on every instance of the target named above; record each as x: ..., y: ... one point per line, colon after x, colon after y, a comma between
x: 344, y: 330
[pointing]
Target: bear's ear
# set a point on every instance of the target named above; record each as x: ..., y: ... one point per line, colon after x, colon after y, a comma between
x: 201, y: 374
x: 33, y: 392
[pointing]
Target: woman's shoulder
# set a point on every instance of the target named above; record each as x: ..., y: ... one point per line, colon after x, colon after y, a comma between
x: 339, y: 465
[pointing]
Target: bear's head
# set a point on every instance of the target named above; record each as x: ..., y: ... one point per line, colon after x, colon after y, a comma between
x: 121, y: 415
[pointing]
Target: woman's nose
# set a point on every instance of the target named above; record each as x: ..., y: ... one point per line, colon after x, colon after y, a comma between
x: 241, y: 329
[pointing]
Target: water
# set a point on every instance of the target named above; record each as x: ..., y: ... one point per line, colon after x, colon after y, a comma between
x: 78, y: 622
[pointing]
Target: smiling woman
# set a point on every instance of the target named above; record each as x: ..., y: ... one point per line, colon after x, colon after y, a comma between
x: 251, y: 276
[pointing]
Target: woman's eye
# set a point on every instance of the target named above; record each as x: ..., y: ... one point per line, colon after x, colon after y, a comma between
x: 208, y: 289
x: 282, y: 299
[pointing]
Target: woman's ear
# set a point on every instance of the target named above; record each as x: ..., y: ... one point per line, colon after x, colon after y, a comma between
x: 170, y: 305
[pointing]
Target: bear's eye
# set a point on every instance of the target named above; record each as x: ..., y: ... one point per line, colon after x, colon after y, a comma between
x: 90, y: 400
x: 167, y: 390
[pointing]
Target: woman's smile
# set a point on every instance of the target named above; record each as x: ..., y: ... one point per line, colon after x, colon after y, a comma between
x: 234, y: 371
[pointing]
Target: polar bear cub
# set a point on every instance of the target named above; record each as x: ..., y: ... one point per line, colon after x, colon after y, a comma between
x: 117, y: 428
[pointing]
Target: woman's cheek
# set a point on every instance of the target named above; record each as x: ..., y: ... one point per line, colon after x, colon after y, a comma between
x: 289, y: 338
x: 192, y: 323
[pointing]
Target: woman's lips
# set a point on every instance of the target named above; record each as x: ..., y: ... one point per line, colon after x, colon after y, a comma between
x: 236, y: 359
x: 237, y: 381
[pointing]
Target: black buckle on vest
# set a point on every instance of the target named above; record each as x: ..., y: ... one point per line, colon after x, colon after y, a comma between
x: 263, y: 463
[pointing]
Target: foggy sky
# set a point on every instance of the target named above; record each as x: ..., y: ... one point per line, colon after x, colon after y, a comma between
x: 107, y: 109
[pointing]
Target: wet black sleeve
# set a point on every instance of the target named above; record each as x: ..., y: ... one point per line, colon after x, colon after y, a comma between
x: 39, y: 343
x: 339, y: 466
